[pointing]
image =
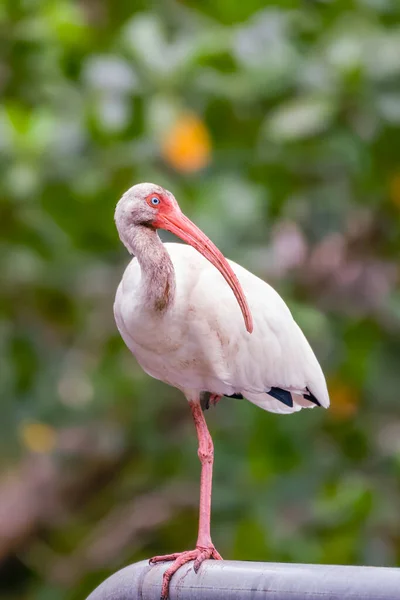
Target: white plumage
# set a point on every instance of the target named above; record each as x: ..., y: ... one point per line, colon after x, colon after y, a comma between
x: 200, y: 343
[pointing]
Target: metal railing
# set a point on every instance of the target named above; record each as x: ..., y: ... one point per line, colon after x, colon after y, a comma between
x: 232, y: 580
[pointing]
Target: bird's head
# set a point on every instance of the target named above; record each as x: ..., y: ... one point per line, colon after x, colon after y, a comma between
x: 151, y: 206
x: 142, y: 205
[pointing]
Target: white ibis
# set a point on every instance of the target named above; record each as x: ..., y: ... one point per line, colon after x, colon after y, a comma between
x: 177, y: 314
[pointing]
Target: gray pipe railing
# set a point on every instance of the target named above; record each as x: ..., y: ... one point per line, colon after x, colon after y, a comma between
x: 232, y: 580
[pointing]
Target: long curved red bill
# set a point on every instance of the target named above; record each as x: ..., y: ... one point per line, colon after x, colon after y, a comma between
x: 182, y: 227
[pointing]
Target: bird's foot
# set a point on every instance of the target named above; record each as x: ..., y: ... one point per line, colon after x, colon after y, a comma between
x: 179, y: 559
x: 207, y: 399
x: 214, y: 399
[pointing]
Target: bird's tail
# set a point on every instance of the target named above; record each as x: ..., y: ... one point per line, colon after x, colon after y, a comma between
x: 283, y: 403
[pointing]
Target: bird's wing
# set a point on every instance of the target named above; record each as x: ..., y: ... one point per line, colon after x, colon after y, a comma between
x: 274, y: 367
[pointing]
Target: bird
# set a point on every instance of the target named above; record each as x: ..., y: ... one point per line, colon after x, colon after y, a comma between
x: 204, y: 324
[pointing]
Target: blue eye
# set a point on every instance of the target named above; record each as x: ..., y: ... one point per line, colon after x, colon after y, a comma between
x: 155, y: 201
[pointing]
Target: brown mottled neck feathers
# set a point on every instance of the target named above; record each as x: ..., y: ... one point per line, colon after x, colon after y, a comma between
x: 158, y: 276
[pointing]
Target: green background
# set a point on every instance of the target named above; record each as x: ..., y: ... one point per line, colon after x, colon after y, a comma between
x: 286, y: 116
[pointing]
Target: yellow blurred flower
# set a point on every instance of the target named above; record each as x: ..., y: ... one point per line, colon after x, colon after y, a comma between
x: 186, y: 146
x: 394, y: 190
x: 344, y: 399
x: 38, y: 437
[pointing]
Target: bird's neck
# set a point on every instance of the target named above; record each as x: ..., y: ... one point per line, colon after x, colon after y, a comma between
x: 158, y: 276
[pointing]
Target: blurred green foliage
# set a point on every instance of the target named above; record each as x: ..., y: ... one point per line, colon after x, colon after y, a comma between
x: 277, y: 127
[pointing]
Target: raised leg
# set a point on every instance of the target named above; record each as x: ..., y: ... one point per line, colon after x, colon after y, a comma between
x: 207, y: 400
x: 204, y: 546
x: 214, y: 399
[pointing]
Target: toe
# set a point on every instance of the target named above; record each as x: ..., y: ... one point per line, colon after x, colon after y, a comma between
x: 216, y: 555
x: 164, y: 558
x: 203, y: 555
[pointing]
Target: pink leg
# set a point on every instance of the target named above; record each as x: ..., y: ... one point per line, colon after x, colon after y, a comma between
x: 204, y: 546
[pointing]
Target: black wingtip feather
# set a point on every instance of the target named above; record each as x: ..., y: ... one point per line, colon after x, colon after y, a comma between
x: 311, y: 398
x: 282, y: 395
